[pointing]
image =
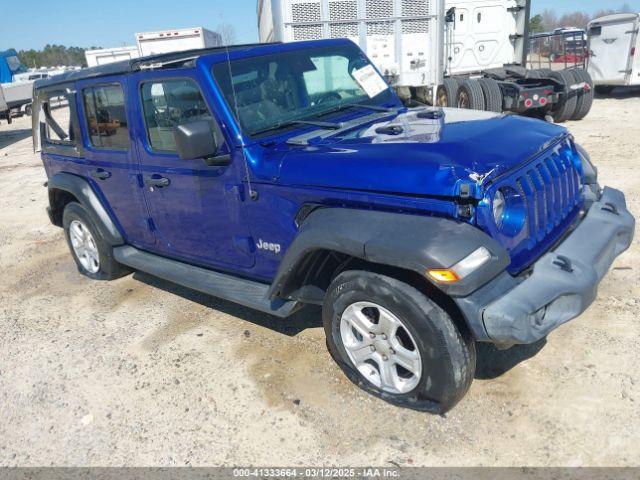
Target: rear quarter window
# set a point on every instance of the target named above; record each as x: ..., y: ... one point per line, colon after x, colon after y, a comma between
x: 57, y: 118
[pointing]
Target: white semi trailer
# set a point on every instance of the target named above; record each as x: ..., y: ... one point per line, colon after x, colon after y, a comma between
x: 613, y: 43
x: 465, y: 53
x: 102, y: 56
x: 176, y: 40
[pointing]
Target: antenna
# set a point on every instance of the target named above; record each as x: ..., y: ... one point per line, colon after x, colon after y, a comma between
x: 253, y: 195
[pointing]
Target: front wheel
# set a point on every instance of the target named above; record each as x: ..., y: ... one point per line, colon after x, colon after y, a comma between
x: 395, y: 343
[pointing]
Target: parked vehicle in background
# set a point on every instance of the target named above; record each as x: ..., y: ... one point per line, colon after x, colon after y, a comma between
x: 109, y: 55
x: 462, y: 53
x: 5, y: 113
x: 279, y: 175
x: 564, y: 48
x: 614, y: 51
x: 177, y: 40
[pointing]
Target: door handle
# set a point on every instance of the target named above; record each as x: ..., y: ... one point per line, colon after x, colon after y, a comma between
x: 156, y: 181
x: 100, y: 174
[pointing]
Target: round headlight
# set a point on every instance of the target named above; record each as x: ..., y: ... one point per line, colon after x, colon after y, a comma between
x: 509, y: 211
x: 498, y: 204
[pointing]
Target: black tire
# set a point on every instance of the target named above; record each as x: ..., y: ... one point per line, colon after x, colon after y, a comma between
x: 446, y: 353
x: 566, y: 108
x: 470, y: 95
x: 604, y: 89
x: 446, y: 95
x: 585, y: 99
x: 492, y: 94
x: 27, y: 110
x: 109, y: 269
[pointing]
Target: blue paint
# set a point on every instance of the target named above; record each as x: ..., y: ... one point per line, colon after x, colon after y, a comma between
x: 205, y: 216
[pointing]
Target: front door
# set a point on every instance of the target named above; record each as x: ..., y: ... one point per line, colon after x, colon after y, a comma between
x: 195, y: 208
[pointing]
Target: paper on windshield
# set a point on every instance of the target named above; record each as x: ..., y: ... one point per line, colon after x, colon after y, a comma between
x: 370, y: 80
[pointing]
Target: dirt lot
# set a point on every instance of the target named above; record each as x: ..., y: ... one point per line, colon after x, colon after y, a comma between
x: 140, y: 372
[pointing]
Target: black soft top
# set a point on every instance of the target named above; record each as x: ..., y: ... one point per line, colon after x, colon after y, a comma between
x: 136, y: 64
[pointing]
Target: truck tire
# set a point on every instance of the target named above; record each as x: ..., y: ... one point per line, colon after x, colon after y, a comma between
x: 470, y: 95
x: 93, y: 256
x: 566, y: 108
x: 492, y: 94
x: 386, y: 335
x: 585, y: 99
x: 447, y: 93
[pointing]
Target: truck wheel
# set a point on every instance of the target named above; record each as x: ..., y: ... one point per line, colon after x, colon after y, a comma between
x: 470, y: 95
x: 564, y: 110
x: 447, y: 92
x: 604, y: 89
x: 396, y: 344
x: 492, y: 94
x: 585, y: 100
x: 93, y: 256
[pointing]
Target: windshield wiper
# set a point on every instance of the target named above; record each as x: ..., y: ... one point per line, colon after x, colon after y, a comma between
x: 345, y: 106
x: 280, y: 126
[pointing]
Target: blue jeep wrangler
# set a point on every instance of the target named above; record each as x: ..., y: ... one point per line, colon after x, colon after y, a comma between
x: 279, y: 175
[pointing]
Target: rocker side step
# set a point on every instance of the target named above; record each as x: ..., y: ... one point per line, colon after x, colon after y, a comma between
x: 245, y: 292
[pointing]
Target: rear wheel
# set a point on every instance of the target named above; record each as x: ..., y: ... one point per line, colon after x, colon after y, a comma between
x: 585, y: 99
x: 93, y: 256
x: 447, y: 92
x: 492, y: 94
x: 566, y: 108
x: 396, y: 344
x: 470, y: 95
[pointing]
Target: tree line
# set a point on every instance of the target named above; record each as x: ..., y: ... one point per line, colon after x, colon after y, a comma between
x: 549, y: 20
x: 54, y: 56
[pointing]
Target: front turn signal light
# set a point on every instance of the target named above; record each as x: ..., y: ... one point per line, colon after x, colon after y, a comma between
x: 463, y: 268
x: 444, y: 276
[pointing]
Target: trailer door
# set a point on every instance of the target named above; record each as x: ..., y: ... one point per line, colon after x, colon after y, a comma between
x: 610, y: 51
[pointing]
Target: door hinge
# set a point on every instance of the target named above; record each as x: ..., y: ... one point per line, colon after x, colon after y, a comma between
x: 517, y: 9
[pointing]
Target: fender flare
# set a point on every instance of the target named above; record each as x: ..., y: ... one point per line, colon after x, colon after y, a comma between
x: 410, y: 242
x: 82, y: 190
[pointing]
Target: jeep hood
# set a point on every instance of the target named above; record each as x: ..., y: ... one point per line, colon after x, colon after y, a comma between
x: 417, y: 156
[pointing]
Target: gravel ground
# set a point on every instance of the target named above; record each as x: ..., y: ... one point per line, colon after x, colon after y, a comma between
x: 140, y: 372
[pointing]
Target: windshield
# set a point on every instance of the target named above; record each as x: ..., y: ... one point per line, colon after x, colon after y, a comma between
x: 275, y: 90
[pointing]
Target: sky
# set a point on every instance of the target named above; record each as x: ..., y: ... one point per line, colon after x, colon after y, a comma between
x: 30, y: 24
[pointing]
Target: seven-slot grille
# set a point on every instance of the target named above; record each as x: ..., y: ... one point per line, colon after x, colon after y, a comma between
x: 552, y: 189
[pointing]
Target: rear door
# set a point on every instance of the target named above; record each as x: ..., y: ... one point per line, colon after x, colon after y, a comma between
x: 111, y: 163
x: 195, y: 208
x: 610, y: 51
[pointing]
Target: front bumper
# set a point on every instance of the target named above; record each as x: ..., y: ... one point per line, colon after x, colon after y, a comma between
x: 563, y: 282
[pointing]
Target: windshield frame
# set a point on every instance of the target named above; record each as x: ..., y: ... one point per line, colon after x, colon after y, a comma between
x: 388, y: 98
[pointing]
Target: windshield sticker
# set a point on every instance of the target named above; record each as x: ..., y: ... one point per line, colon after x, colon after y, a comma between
x: 370, y: 80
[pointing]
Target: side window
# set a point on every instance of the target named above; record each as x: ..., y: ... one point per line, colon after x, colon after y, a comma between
x: 168, y: 104
x: 105, y: 117
x: 57, y: 118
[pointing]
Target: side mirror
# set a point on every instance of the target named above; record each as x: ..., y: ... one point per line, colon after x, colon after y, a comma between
x: 197, y: 140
